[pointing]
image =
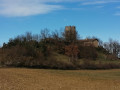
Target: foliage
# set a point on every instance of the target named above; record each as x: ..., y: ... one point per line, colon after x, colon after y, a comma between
x: 72, y: 51
x: 88, y: 52
x: 37, y: 50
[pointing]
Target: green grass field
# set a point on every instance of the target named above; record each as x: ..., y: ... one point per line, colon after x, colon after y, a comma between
x: 45, y: 79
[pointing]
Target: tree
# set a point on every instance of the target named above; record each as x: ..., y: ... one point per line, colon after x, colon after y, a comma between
x: 28, y: 36
x: 44, y: 34
x: 72, y: 51
x: 35, y: 37
x: 112, y: 46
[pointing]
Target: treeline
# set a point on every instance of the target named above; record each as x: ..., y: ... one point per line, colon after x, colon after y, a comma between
x: 36, y: 50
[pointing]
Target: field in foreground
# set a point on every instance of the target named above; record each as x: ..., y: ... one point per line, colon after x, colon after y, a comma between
x: 43, y: 79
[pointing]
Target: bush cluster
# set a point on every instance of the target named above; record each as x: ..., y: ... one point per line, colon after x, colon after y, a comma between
x: 36, y: 51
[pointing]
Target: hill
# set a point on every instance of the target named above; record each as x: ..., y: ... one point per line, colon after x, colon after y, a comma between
x: 57, y: 51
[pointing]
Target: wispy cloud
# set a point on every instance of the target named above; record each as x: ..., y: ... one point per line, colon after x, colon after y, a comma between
x: 76, y: 9
x: 94, y: 2
x: 118, y: 7
x: 99, y: 6
x: 101, y: 3
x: 16, y: 8
x: 26, y: 7
x: 117, y: 14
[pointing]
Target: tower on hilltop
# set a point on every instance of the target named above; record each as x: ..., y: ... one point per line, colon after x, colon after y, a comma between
x: 70, y: 33
x: 70, y: 28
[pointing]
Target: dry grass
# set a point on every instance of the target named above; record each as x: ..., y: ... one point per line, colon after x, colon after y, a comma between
x: 40, y: 79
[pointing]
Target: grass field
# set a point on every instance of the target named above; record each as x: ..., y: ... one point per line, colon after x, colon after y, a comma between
x: 44, y: 79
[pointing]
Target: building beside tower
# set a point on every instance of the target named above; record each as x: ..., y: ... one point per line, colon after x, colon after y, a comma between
x: 89, y: 42
x: 71, y: 36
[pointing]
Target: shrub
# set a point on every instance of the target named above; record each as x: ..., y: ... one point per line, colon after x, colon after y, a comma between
x: 87, y: 52
x: 72, y: 51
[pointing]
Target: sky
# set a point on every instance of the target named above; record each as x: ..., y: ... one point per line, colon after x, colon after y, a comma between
x: 99, y: 18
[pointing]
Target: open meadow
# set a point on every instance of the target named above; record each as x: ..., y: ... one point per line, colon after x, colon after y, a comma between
x: 44, y: 79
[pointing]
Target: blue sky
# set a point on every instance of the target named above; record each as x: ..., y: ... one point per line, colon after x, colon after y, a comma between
x: 100, y: 18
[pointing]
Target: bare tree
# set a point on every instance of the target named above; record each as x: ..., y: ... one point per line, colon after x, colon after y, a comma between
x: 44, y: 33
x: 112, y: 46
x: 55, y: 35
x: 28, y: 36
x: 35, y: 37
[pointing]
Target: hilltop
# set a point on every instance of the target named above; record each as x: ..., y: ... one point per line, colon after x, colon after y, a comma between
x: 58, y: 51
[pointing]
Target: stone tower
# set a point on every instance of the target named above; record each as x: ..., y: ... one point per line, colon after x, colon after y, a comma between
x: 70, y: 33
x: 70, y: 28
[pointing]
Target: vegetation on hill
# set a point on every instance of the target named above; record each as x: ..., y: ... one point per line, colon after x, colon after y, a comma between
x: 58, y: 51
